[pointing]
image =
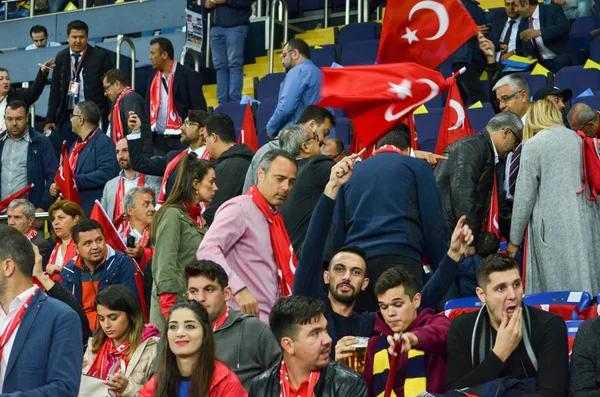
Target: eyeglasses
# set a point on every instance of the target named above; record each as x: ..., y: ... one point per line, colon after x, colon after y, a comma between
x: 189, y: 123
x: 283, y: 54
x: 108, y: 86
x: 75, y: 115
x: 506, y: 98
x: 315, y: 137
x: 333, y: 156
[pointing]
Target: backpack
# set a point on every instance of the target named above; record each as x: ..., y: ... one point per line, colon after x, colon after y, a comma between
x: 591, y: 166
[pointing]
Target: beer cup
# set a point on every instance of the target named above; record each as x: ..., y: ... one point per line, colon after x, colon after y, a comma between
x: 357, y: 360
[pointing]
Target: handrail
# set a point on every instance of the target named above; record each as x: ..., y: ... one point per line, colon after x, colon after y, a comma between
x: 347, y: 15
x: 272, y: 29
x: 326, y: 14
x: 120, y: 40
x: 194, y: 53
x: 365, y: 10
x: 207, y: 39
x: 32, y: 9
x: 43, y: 216
x: 6, y: 3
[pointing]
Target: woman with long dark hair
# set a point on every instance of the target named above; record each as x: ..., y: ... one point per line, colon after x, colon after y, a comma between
x: 187, y: 366
x: 122, y: 350
x: 176, y: 231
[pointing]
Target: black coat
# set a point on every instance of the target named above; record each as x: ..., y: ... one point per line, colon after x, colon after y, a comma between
x: 187, y: 91
x: 336, y: 380
x: 495, y: 35
x: 140, y: 156
x: 95, y: 64
x: 31, y: 94
x: 135, y: 103
x: 465, y: 183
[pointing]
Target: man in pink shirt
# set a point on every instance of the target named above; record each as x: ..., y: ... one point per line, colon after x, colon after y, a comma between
x: 248, y: 239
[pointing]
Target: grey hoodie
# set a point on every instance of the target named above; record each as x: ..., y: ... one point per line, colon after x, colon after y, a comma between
x: 246, y: 345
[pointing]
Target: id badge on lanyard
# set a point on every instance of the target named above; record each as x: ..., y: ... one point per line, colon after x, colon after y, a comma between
x: 74, y: 89
x: 74, y: 84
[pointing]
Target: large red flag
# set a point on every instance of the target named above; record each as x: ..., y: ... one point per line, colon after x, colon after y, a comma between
x: 248, y: 133
x: 17, y: 195
x: 424, y: 31
x: 455, y: 122
x: 378, y: 97
x: 65, y: 178
x: 114, y: 240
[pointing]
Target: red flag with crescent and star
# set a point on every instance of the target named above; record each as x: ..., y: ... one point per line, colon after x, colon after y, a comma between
x: 248, y: 133
x: 455, y: 122
x: 424, y: 31
x: 65, y: 178
x: 379, y: 97
x: 491, y: 223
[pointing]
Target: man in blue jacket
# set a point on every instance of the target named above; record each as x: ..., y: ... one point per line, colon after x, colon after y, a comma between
x: 96, y: 266
x: 93, y: 155
x: 230, y: 23
x: 43, y: 353
x: 27, y: 159
x: 391, y: 208
x: 300, y: 88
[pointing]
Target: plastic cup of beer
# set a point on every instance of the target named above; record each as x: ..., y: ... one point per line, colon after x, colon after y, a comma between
x: 357, y: 360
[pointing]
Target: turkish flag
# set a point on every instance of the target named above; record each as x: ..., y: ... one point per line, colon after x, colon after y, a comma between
x: 113, y: 239
x: 491, y: 224
x: 248, y: 133
x: 455, y: 122
x: 379, y: 97
x: 424, y: 31
x: 65, y: 180
x: 414, y: 140
x: 17, y: 195
x: 356, y: 146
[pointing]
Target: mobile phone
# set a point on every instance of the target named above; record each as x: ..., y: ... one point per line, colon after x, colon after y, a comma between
x: 130, y: 241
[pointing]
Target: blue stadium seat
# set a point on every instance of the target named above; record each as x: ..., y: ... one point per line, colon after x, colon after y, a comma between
x: 534, y: 82
x: 437, y: 102
x: 358, y: 32
x: 446, y: 68
x: 593, y: 101
x: 480, y: 117
x: 235, y: 111
x: 343, y: 130
x: 428, y: 127
x: 572, y: 328
x: 557, y: 302
x: 339, y: 113
x: 463, y: 303
x: 268, y: 86
x: 580, y: 32
x: 324, y: 56
x: 578, y: 79
x: 263, y: 115
x: 595, y: 50
x: 360, y: 53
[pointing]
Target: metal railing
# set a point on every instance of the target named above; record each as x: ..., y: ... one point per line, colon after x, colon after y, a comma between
x: 207, y: 41
x: 194, y: 54
x: 39, y: 216
x: 120, y: 40
x: 32, y: 7
x: 284, y: 8
x: 362, y: 11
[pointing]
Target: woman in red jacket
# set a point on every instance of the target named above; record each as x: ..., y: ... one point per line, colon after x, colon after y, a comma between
x: 187, y: 365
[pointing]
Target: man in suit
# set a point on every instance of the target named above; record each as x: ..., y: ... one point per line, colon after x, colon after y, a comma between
x: 43, y: 354
x: 77, y: 77
x: 92, y: 157
x: 544, y: 32
x: 124, y: 101
x: 173, y: 91
x: 21, y: 216
x: 504, y: 33
x: 26, y: 157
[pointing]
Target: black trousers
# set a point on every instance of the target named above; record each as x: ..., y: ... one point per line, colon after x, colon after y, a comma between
x: 165, y: 143
x: 367, y: 301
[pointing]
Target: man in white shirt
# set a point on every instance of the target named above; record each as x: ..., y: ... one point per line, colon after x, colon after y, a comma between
x: 39, y: 36
x: 504, y: 31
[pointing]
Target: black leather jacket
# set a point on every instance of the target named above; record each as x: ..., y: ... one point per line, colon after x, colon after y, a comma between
x: 336, y: 380
x: 466, y: 179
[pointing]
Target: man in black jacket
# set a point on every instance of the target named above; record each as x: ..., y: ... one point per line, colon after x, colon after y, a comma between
x: 504, y: 32
x: 506, y: 338
x: 77, y: 77
x: 299, y: 324
x: 28, y: 95
x: 21, y: 216
x: 230, y: 24
x: 466, y: 180
x: 231, y: 161
x: 172, y: 92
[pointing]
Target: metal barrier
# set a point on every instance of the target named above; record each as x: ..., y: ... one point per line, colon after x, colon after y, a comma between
x: 39, y: 216
x: 362, y: 11
x: 194, y: 55
x: 32, y: 6
x: 272, y: 29
x: 326, y: 14
x: 120, y: 40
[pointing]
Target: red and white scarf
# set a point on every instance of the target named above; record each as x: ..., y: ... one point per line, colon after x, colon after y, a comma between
x: 117, y: 124
x: 119, y: 212
x: 282, y: 247
x: 284, y: 381
x: 388, y: 149
x: 173, y: 126
x: 162, y: 195
x: 221, y: 319
x: 12, y: 325
x: 107, y: 357
x: 69, y: 253
x: 79, y: 146
x: 143, y: 239
x: 31, y: 234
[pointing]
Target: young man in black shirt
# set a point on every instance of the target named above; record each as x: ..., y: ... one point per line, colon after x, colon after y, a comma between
x: 506, y: 338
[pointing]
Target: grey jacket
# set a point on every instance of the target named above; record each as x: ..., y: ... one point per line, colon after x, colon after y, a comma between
x: 252, y: 173
x: 246, y: 345
x: 110, y: 191
x: 585, y: 362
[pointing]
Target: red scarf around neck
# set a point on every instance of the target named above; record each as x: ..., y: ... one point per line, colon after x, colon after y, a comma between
x: 162, y: 195
x: 12, y: 325
x: 282, y: 247
x: 284, y: 381
x: 69, y: 253
x: 79, y: 146
x: 388, y: 149
x: 31, y: 234
x: 117, y: 123
x: 119, y: 212
x: 173, y: 126
x: 107, y: 357
x: 221, y: 319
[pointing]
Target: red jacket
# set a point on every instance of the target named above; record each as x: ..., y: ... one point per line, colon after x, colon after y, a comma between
x: 224, y: 384
x: 432, y: 331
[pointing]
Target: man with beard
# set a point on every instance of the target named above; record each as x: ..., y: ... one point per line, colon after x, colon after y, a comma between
x: 116, y: 189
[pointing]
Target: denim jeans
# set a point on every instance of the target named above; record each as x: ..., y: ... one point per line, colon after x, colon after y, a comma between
x: 57, y: 5
x: 227, y: 46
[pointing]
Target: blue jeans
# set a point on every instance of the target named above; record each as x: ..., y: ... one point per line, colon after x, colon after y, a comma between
x: 227, y: 46
x: 57, y: 5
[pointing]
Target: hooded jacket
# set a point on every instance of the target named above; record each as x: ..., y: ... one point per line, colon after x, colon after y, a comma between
x: 230, y: 170
x: 246, y: 345
x: 336, y: 380
x: 432, y: 331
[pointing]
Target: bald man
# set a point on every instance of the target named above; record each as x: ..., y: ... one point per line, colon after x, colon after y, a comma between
x: 583, y: 117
